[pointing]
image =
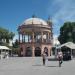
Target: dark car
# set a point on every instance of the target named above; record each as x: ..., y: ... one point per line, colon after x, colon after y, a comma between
x: 66, y: 56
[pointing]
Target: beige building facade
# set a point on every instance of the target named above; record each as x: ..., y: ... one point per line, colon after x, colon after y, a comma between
x: 35, y: 36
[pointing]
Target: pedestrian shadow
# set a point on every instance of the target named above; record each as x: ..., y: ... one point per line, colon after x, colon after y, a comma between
x: 37, y: 65
x: 52, y: 66
x: 44, y: 65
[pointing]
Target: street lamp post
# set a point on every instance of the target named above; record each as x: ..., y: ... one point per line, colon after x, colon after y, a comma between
x: 55, y: 50
x: 56, y: 47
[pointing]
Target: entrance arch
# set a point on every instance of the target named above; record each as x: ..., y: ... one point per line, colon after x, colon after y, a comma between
x: 20, y: 52
x: 28, y: 51
x: 37, y: 51
x: 46, y: 50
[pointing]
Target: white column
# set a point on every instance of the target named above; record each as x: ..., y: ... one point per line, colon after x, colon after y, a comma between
x: 19, y: 37
x: 42, y: 37
x: 22, y: 38
x: 33, y: 54
x: 32, y: 36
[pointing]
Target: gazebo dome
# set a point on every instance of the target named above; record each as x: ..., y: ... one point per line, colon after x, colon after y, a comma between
x: 34, y: 21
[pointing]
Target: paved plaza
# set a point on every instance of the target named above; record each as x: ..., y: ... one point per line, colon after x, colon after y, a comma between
x: 33, y: 66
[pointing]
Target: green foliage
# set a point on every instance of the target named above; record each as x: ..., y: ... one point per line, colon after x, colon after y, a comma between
x: 67, y: 32
x: 15, y: 47
x: 16, y: 44
x: 6, y: 35
x: 15, y: 50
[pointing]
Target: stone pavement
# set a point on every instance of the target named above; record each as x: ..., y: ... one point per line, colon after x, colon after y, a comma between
x: 33, y: 66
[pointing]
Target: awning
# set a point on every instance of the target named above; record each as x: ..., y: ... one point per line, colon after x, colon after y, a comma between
x: 4, y: 47
x: 70, y: 45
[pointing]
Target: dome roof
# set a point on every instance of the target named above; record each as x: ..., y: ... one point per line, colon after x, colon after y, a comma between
x: 34, y: 21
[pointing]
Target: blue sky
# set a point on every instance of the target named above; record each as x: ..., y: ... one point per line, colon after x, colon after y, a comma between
x: 14, y: 12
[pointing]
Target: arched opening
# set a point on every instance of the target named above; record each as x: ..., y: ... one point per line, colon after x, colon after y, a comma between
x: 20, y: 52
x: 28, y: 52
x: 37, y: 51
x: 46, y: 50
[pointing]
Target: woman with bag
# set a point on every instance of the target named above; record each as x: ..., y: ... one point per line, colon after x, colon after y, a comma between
x: 44, y: 57
x: 60, y: 57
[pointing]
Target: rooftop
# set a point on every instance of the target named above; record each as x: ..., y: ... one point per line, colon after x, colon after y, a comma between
x: 34, y: 21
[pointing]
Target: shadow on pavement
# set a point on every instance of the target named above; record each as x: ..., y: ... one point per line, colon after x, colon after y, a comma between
x: 37, y: 65
x: 52, y: 66
x: 52, y: 59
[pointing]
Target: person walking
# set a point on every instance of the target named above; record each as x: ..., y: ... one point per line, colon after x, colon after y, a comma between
x: 44, y: 58
x: 60, y: 57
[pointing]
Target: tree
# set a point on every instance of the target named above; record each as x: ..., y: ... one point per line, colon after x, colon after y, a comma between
x: 5, y: 35
x: 15, y: 47
x: 16, y: 44
x: 9, y: 36
x: 67, y: 33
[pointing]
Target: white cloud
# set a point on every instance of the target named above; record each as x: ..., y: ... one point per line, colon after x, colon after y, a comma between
x: 15, y: 37
x: 61, y: 10
x: 55, y: 40
x: 55, y: 36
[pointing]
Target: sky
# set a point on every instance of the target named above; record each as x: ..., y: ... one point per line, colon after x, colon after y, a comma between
x: 14, y: 12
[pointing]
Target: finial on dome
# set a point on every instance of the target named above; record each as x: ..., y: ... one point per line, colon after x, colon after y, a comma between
x: 49, y: 21
x: 49, y: 18
x: 33, y: 16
